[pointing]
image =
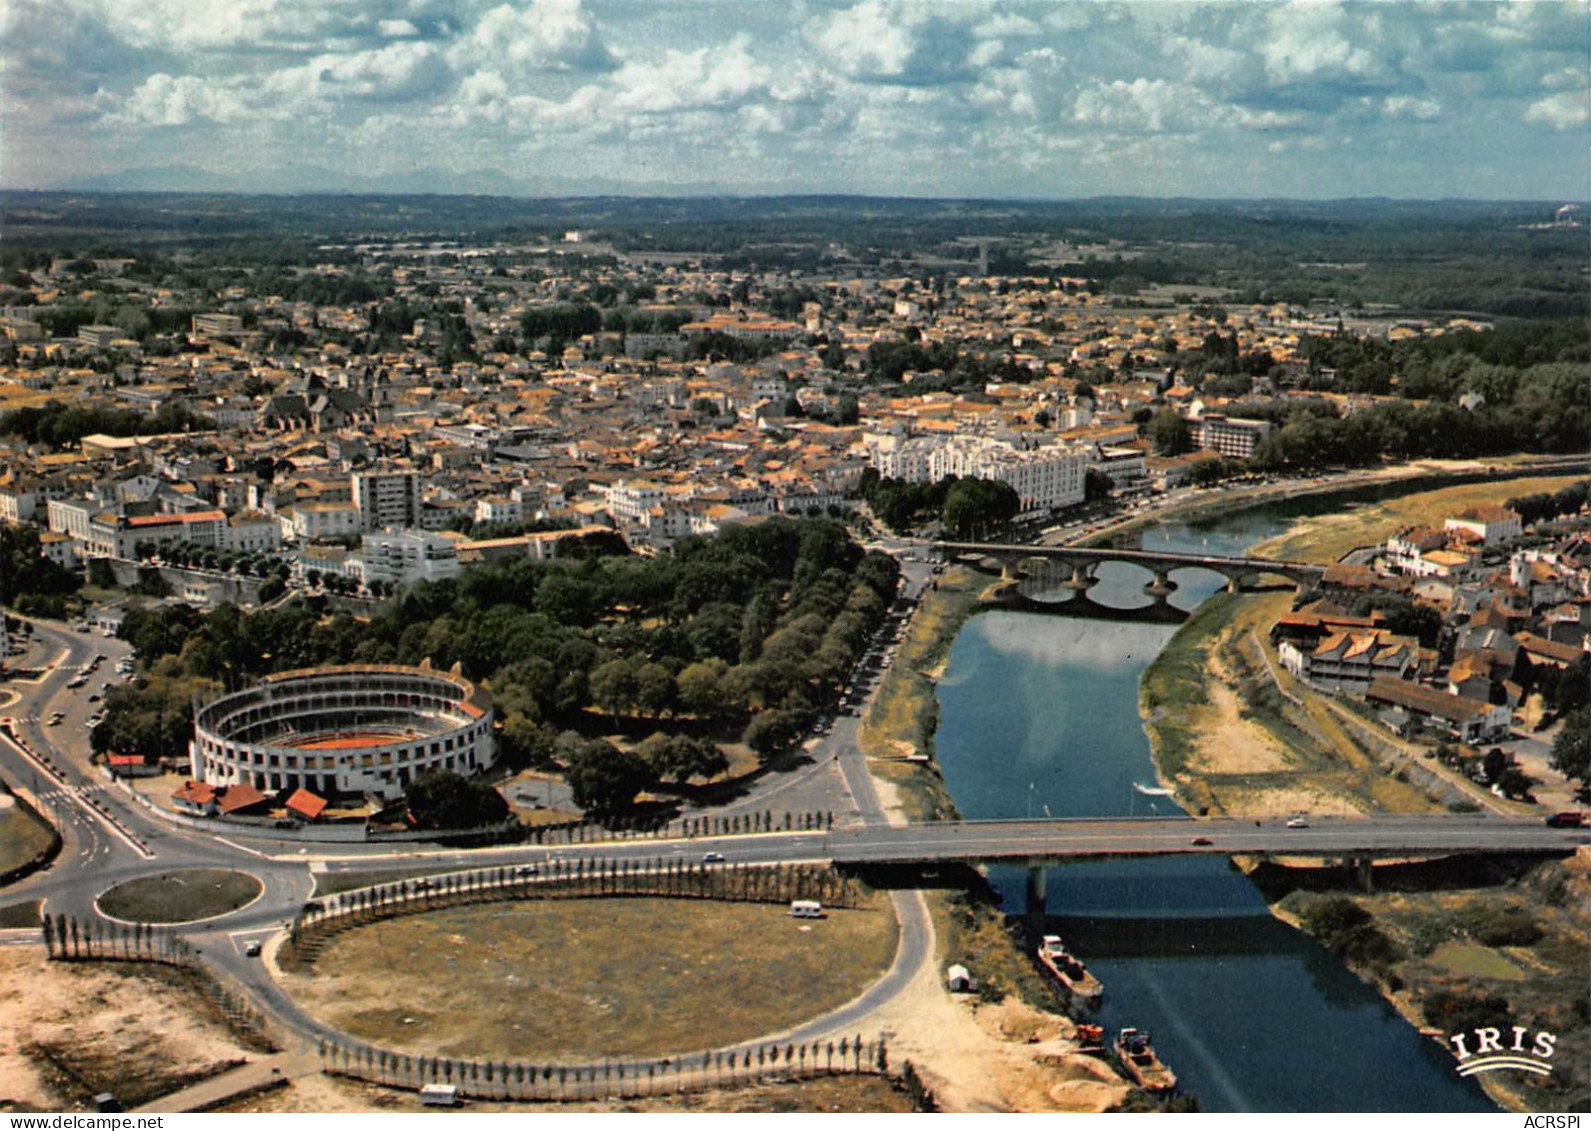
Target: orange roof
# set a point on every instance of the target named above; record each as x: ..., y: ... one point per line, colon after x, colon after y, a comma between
x: 164, y: 519
x: 240, y: 796
x: 306, y: 804
x: 198, y: 793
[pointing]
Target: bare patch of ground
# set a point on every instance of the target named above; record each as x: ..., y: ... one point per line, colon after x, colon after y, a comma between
x: 1004, y: 1057
x: 1326, y: 538
x: 69, y: 1030
x: 577, y: 979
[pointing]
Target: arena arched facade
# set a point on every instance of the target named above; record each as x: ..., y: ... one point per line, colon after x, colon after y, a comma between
x: 348, y: 730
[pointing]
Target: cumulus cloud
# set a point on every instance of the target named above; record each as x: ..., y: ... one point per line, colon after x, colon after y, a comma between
x: 1415, y: 109
x: 1142, y: 104
x: 402, y: 70
x: 166, y: 100
x: 546, y: 35
x: 1566, y: 110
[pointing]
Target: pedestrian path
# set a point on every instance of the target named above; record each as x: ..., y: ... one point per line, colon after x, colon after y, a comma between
x: 245, y: 1078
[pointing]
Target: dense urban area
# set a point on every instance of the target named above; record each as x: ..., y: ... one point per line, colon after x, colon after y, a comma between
x: 661, y: 515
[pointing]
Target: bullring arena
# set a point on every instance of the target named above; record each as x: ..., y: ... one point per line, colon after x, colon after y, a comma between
x: 346, y: 730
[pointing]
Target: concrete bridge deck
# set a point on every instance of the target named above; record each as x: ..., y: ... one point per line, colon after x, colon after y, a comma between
x: 974, y: 842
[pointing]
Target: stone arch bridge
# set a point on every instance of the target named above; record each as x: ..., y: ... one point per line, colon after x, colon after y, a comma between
x: 1082, y: 562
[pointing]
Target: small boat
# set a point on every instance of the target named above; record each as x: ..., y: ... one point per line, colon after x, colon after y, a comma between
x: 1091, y: 1039
x: 1152, y: 790
x: 1138, y: 1058
x: 1069, y: 973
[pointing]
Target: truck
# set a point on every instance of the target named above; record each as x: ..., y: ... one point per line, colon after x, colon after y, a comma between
x: 1571, y: 819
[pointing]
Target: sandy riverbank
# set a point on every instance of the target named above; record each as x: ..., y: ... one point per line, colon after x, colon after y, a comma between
x: 1235, y: 735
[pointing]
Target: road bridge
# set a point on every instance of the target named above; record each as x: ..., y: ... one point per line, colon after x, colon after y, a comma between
x: 1082, y: 561
x: 1031, y: 841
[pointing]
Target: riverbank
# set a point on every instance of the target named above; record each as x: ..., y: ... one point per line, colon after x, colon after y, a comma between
x: 1234, y: 734
x: 1006, y: 1047
x: 1314, y: 495
x: 1499, y: 943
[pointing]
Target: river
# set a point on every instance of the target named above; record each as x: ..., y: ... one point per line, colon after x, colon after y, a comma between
x: 1039, y: 716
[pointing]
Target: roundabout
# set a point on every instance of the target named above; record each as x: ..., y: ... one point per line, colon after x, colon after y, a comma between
x: 179, y: 898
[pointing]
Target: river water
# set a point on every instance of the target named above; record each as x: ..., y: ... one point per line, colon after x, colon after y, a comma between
x: 1039, y: 717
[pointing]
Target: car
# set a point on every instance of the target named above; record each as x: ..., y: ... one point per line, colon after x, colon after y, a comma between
x: 1298, y: 823
x: 252, y: 950
x: 712, y: 858
x: 1201, y: 842
x: 94, y: 698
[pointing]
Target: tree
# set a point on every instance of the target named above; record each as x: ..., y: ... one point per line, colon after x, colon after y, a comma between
x: 771, y: 731
x: 698, y: 686
x: 1169, y: 433
x: 975, y: 507
x: 680, y: 757
x: 1571, y: 750
x: 1096, y: 485
x: 442, y: 799
x: 603, y: 778
x: 655, y: 691
x: 614, y: 687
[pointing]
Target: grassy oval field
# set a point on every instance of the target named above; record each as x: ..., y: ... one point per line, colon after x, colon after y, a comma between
x: 180, y: 897
x: 590, y: 979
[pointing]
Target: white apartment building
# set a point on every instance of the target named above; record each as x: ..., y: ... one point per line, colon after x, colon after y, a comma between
x: 499, y: 509
x: 386, y: 498
x: 408, y: 555
x: 629, y: 500
x: 305, y: 522
x: 1230, y: 435
x: 1491, y: 523
x: 1044, y: 478
x: 251, y: 532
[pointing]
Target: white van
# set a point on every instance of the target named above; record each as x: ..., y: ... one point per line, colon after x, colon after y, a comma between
x: 806, y: 909
x: 439, y: 1095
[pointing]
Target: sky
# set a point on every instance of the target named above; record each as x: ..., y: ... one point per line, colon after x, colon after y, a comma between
x: 1050, y: 99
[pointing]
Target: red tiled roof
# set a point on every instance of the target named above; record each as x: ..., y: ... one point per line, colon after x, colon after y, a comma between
x: 239, y: 797
x: 306, y: 804
x: 197, y: 793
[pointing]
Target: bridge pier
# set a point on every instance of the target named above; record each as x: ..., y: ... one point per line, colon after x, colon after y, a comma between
x: 1162, y: 586
x: 1082, y: 579
x: 1037, y: 887
x: 1363, y: 869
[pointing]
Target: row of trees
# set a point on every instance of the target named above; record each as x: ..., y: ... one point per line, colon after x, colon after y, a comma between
x: 965, y: 508
x: 56, y: 425
x: 741, y: 635
x: 29, y: 581
x: 1544, y: 507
